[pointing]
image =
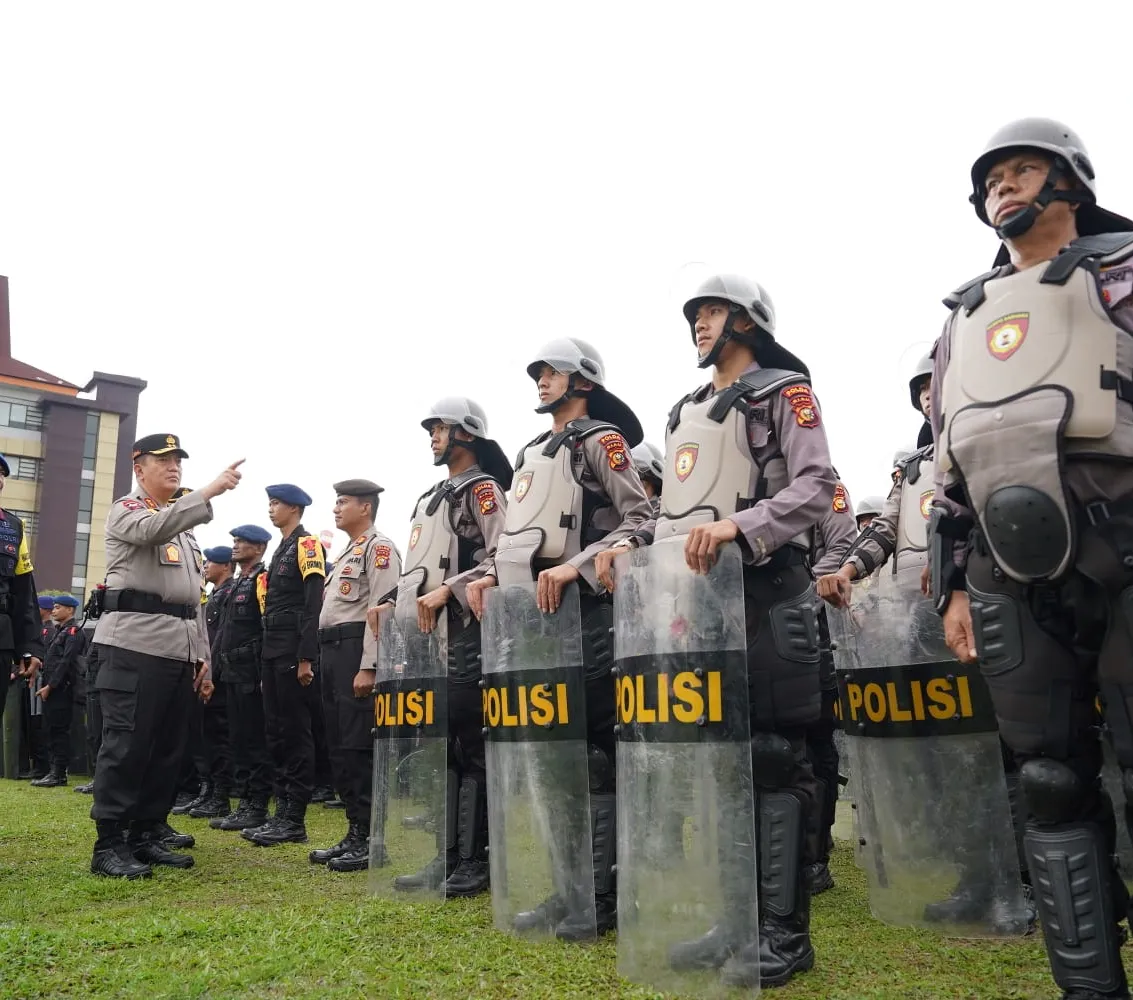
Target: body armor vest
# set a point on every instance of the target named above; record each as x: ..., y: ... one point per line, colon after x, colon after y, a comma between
x: 1038, y: 370
x: 434, y: 552
x: 549, y: 510
x: 710, y: 468
x: 911, y: 548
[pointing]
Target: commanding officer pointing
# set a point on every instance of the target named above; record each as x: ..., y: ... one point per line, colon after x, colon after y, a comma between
x: 1031, y: 539
x: 151, y: 640
x: 366, y: 568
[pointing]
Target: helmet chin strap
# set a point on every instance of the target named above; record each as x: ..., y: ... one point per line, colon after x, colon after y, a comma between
x: 554, y: 404
x: 453, y: 442
x: 728, y: 333
x: 1020, y: 222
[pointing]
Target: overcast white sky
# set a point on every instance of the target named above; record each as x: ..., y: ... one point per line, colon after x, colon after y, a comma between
x: 302, y: 224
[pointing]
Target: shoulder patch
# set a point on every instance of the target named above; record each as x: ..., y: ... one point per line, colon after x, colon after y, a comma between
x: 131, y: 504
x: 840, y: 504
x: 72, y: 630
x: 311, y: 557
x: 616, y: 451
x: 23, y: 558
x: 801, y: 401
x: 381, y: 556
x: 485, y: 495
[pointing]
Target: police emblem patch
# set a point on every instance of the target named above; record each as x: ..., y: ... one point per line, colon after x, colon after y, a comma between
x: 841, y: 503
x: 926, y: 504
x: 414, y: 536
x: 381, y: 553
x: 522, y: 485
x: 344, y: 588
x: 616, y: 451
x: 801, y: 401
x: 485, y: 496
x: 1006, y: 335
x: 685, y: 461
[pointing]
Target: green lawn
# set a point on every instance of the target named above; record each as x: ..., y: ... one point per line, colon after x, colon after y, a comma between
x: 255, y: 922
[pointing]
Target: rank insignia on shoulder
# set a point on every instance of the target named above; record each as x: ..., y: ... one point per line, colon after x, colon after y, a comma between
x: 616, y: 451
x: 840, y: 504
x: 801, y: 401
x: 381, y: 557
x: 485, y: 495
x: 150, y: 503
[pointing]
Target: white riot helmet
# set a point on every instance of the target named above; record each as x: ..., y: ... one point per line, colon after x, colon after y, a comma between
x: 648, y: 461
x: 920, y: 373
x: 743, y: 296
x: 469, y: 416
x: 576, y: 358
x: 869, y: 507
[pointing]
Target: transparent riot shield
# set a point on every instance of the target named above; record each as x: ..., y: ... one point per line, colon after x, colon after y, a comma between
x: 409, y: 813
x: 930, y: 796
x: 686, y: 808
x: 538, y: 786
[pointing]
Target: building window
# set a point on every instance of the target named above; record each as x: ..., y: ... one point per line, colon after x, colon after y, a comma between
x: 90, y: 442
x: 30, y: 519
x: 24, y: 416
x: 24, y: 467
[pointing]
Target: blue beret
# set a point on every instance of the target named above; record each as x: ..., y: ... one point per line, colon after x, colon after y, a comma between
x: 251, y: 533
x: 47, y: 603
x: 67, y: 601
x: 219, y: 554
x: 289, y: 493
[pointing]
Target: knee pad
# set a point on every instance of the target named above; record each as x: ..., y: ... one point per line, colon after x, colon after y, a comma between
x: 773, y: 760
x: 1052, y: 791
x: 600, y: 768
x: 794, y: 627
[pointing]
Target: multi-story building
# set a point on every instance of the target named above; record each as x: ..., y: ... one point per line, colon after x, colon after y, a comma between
x: 68, y: 450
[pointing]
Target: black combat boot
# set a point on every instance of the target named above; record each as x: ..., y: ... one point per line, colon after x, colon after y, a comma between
x: 288, y: 829
x: 54, y: 778
x: 269, y: 821
x: 322, y: 856
x: 324, y: 793
x: 335, y: 803
x: 784, y: 946
x: 147, y: 846
x: 234, y: 820
x: 356, y: 857
x: 181, y: 807
x: 436, y: 872
x: 112, y: 857
x: 218, y: 804
x: 86, y: 789
x: 172, y: 839
x: 818, y: 877
x: 472, y: 876
x: 543, y: 918
x: 604, y: 839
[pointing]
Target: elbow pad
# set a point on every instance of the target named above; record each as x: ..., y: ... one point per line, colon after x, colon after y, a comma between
x: 944, y: 575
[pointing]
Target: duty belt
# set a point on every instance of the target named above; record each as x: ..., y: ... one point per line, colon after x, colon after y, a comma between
x: 340, y: 633
x: 244, y: 654
x: 281, y: 621
x: 142, y: 603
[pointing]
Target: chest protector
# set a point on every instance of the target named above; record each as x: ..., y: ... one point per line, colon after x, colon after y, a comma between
x: 434, y: 546
x: 916, y: 504
x: 711, y: 469
x: 1038, y: 371
x: 545, y: 519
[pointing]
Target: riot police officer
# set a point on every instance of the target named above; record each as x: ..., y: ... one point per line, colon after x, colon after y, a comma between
x: 240, y: 642
x: 455, y: 527
x: 650, y: 465
x: 151, y: 641
x: 833, y: 537
x: 291, y: 596
x: 65, y: 648
x: 1031, y: 538
x: 868, y: 508
x: 769, y: 495
x: 576, y: 492
x: 367, y: 567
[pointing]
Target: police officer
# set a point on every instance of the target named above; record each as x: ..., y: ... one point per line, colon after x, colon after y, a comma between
x: 21, y: 642
x: 456, y: 525
x: 239, y: 645
x: 291, y: 597
x: 215, y: 748
x: 581, y: 465
x: 59, y: 675
x: 650, y: 465
x: 1031, y: 539
x: 833, y: 537
x: 367, y: 567
x: 868, y: 508
x: 153, y: 654
x: 33, y: 725
x: 91, y: 611
x: 776, y: 489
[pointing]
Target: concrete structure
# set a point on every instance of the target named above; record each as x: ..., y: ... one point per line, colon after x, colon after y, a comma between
x: 68, y: 448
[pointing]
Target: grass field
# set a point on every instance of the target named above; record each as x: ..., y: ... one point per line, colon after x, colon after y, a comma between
x: 256, y: 922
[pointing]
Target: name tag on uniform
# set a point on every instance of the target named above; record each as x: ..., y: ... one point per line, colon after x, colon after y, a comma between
x: 170, y: 555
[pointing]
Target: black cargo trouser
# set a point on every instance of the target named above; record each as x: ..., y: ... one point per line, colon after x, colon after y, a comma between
x: 217, y: 746
x: 58, y: 711
x: 247, y: 733
x: 821, y: 750
x: 289, y: 709
x: 94, y: 708
x: 349, y: 720
x: 146, y: 704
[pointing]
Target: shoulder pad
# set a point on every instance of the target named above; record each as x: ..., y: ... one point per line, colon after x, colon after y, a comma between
x: 587, y: 427
x: 533, y: 441
x: 428, y: 493
x: 761, y: 384
x: 468, y: 479
x: 1109, y: 248
x: 960, y: 295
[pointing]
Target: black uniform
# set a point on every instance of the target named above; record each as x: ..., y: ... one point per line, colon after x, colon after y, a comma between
x: 61, y: 672
x: 20, y: 627
x: 237, y: 651
x: 291, y: 603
